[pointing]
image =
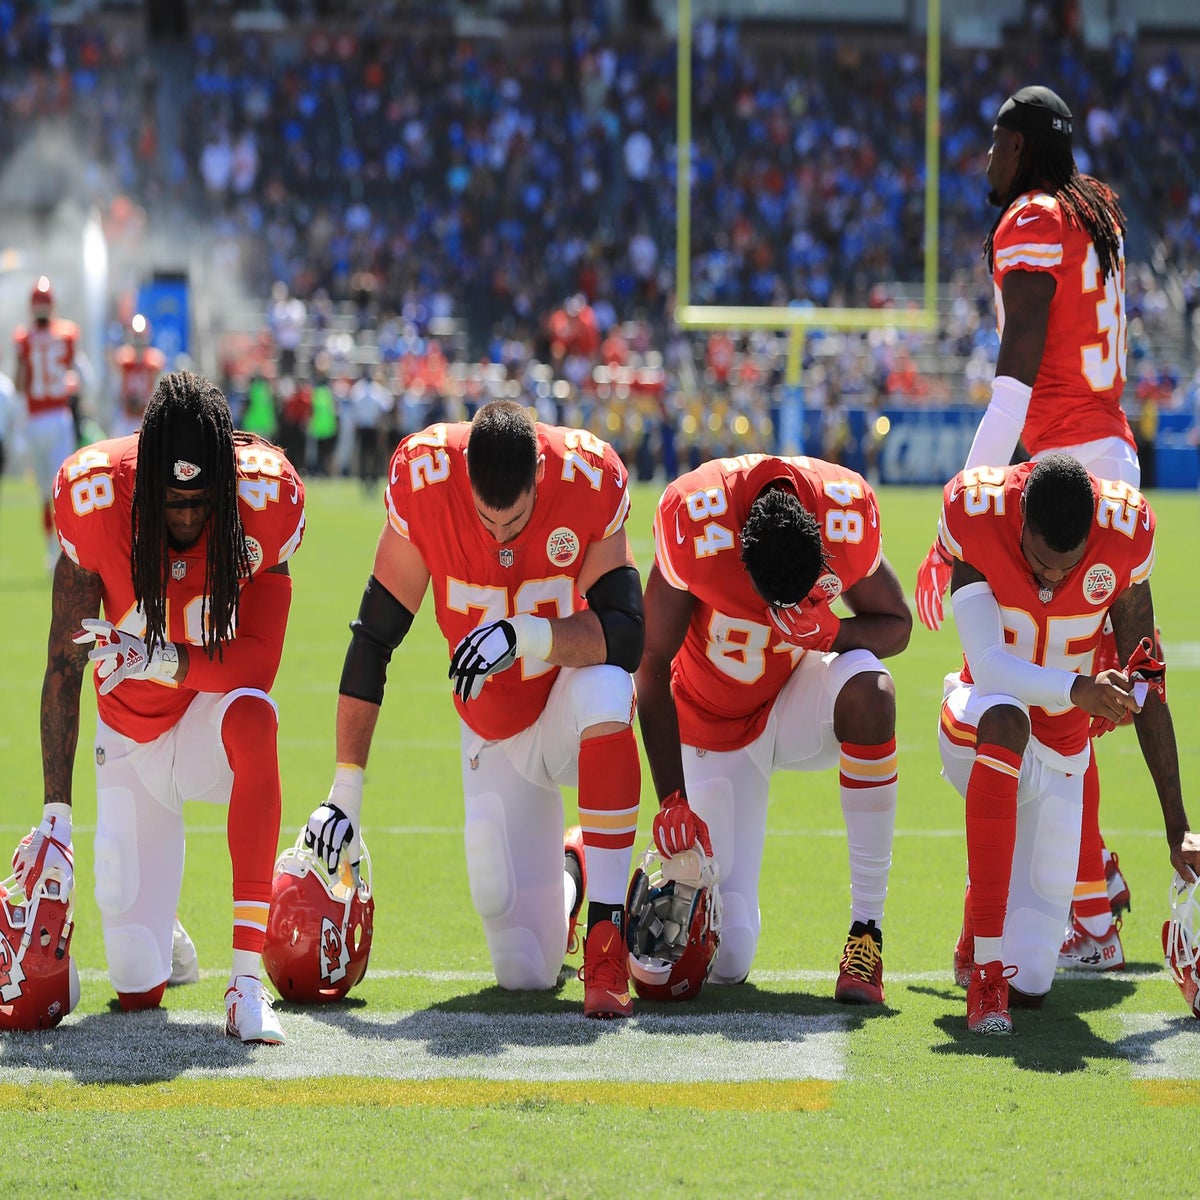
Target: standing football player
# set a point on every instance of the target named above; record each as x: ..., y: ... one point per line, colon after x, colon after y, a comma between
x: 1056, y: 253
x: 515, y: 524
x: 182, y: 535
x: 749, y: 668
x: 45, y: 357
x: 139, y: 365
x: 1043, y: 554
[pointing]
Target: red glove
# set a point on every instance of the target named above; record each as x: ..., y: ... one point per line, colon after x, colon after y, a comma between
x: 812, y: 627
x: 933, y: 578
x: 677, y: 828
x: 1142, y: 667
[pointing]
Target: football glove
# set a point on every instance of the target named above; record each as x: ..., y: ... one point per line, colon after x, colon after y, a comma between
x: 119, y: 655
x: 1142, y: 668
x: 812, y: 627
x: 933, y: 578
x: 495, y: 647
x: 46, y: 853
x: 332, y: 832
x: 677, y: 828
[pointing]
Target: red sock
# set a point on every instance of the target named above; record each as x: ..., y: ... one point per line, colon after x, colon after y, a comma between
x: 610, y: 785
x: 1091, y: 892
x: 249, y: 734
x: 991, y: 835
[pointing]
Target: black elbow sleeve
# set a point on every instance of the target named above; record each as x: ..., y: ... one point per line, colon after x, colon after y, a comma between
x: 378, y: 629
x: 616, y: 598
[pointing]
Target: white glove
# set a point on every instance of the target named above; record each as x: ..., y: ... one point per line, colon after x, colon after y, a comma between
x: 495, y: 647
x: 45, y: 852
x: 119, y: 655
x: 332, y: 832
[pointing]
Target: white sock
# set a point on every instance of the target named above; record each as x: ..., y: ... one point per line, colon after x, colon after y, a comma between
x: 1098, y: 926
x: 988, y: 950
x: 245, y: 962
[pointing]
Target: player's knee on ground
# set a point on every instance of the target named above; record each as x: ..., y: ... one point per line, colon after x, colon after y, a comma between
x: 136, y: 963
x: 739, y: 940
x: 865, y: 709
x: 601, y: 694
x: 519, y: 961
x: 1032, y: 940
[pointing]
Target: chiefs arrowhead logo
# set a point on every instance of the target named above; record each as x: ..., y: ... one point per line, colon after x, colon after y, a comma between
x: 11, y: 975
x: 334, y: 954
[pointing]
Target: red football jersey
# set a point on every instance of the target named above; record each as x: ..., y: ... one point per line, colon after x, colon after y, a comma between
x: 981, y: 524
x: 48, y: 354
x: 1077, y: 393
x: 140, y: 369
x: 93, y: 497
x: 733, y: 661
x: 583, y: 498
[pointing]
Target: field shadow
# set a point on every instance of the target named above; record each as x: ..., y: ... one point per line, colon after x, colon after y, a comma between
x: 119, y: 1047
x: 1054, y: 1039
x: 491, y: 1021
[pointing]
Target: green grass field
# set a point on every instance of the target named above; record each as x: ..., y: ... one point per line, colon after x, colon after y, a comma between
x: 429, y: 1081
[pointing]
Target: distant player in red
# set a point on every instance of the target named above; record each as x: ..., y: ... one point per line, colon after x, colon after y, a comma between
x: 45, y: 357
x: 519, y: 528
x: 185, y: 658
x: 139, y: 365
x: 1057, y: 257
x: 747, y: 670
x: 1043, y: 553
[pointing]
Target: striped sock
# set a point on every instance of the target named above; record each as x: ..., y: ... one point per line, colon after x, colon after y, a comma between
x: 610, y: 784
x: 868, y: 786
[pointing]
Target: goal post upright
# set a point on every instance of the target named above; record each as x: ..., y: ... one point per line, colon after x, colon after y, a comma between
x: 796, y: 319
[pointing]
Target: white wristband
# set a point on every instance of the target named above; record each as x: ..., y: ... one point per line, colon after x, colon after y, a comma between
x: 535, y: 637
x: 164, y: 662
x: 347, y: 791
x: 62, y: 819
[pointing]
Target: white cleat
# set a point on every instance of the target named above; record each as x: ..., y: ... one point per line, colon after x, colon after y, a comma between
x: 250, y: 1013
x: 185, y: 965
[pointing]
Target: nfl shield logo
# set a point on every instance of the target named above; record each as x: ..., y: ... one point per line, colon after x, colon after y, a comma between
x: 506, y: 558
x: 178, y: 569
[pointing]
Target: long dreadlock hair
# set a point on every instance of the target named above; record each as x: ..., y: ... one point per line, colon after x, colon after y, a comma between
x: 188, y: 401
x: 1088, y: 204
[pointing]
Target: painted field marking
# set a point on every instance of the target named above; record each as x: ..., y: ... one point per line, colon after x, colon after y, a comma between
x: 341, y: 1092
x: 1163, y: 1050
x: 162, y: 1045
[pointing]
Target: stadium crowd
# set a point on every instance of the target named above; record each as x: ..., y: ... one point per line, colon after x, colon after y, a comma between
x: 347, y: 176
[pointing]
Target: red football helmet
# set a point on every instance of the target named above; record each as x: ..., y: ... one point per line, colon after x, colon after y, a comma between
x: 38, y: 981
x: 672, y: 924
x: 319, y: 929
x: 1181, y: 941
x: 41, y: 300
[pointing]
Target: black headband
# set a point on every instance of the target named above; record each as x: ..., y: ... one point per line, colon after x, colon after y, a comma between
x: 1038, y: 113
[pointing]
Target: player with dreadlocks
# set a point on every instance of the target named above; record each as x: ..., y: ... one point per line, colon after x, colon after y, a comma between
x: 747, y: 670
x: 1056, y: 253
x: 181, y: 534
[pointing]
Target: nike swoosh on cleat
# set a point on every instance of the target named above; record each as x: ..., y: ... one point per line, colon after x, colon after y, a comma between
x: 621, y: 998
x: 604, y: 948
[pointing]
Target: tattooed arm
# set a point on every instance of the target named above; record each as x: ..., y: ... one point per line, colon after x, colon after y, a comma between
x: 76, y: 595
